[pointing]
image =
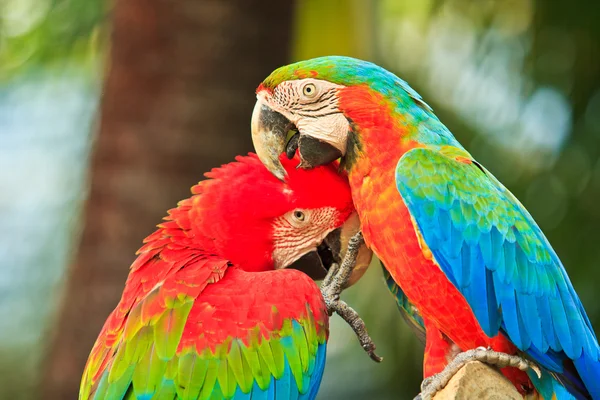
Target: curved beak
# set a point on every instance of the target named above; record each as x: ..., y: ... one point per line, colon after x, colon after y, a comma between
x: 333, y: 249
x: 269, y: 133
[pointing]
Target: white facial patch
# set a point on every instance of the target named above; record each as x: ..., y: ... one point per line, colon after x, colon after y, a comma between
x: 317, y: 115
x: 292, y: 241
x: 332, y: 129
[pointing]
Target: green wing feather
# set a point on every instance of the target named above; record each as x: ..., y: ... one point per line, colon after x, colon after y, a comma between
x: 159, y: 348
x: 492, y: 250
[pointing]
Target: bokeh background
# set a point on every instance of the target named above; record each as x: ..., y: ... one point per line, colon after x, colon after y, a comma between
x: 126, y: 103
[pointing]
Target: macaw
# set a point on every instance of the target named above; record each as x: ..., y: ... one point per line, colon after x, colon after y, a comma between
x: 209, y: 310
x: 455, y: 241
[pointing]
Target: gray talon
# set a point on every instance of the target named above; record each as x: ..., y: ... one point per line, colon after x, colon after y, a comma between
x: 426, y: 382
x: 332, y: 285
x: 330, y: 275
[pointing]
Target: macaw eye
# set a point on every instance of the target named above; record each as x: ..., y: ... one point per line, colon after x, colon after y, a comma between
x: 309, y: 90
x: 299, y: 216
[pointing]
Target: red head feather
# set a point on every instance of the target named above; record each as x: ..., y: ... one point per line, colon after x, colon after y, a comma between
x: 232, y: 213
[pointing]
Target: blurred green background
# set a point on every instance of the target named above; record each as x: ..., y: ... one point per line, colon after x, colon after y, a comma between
x: 127, y: 103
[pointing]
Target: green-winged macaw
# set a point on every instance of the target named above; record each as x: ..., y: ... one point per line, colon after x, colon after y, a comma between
x: 459, y: 245
x: 210, y: 310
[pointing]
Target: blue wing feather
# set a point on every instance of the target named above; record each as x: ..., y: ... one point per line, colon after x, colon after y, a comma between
x: 315, y: 382
x: 492, y: 250
x: 283, y: 386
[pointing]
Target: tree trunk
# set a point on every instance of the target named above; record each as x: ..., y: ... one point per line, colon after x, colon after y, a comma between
x: 177, y: 102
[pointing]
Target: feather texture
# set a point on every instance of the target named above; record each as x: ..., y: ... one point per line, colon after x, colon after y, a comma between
x: 154, y: 354
x: 204, y: 315
x: 453, y: 239
x: 507, y: 270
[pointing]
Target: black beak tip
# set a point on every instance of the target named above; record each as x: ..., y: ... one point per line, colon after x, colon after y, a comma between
x: 292, y: 146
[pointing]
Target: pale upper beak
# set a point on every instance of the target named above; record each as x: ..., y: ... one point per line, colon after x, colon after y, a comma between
x: 269, y: 133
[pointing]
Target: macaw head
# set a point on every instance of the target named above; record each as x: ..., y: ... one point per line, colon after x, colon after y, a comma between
x: 323, y: 104
x: 259, y: 222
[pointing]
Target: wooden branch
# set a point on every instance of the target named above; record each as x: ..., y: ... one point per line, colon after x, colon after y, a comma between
x: 478, y: 381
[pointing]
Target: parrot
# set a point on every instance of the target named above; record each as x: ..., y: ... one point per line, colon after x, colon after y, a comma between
x: 216, y: 305
x: 455, y: 241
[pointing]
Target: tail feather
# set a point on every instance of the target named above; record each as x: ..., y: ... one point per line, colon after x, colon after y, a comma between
x: 559, y: 370
x: 589, y: 371
x: 550, y: 388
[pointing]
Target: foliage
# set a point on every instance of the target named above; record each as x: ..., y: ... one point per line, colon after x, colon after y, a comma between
x: 37, y: 33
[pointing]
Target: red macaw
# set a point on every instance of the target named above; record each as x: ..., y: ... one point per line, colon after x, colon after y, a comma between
x: 460, y: 246
x: 208, y: 310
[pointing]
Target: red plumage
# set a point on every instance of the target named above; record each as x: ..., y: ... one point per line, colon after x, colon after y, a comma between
x: 223, y: 234
x: 389, y: 231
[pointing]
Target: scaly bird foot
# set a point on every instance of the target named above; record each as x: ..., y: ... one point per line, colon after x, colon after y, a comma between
x: 433, y: 384
x: 332, y: 273
x: 331, y: 288
x: 352, y: 318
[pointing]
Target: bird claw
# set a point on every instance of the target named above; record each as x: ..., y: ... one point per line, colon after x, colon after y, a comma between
x: 331, y: 288
x: 426, y: 382
x: 331, y: 274
x: 433, y: 384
